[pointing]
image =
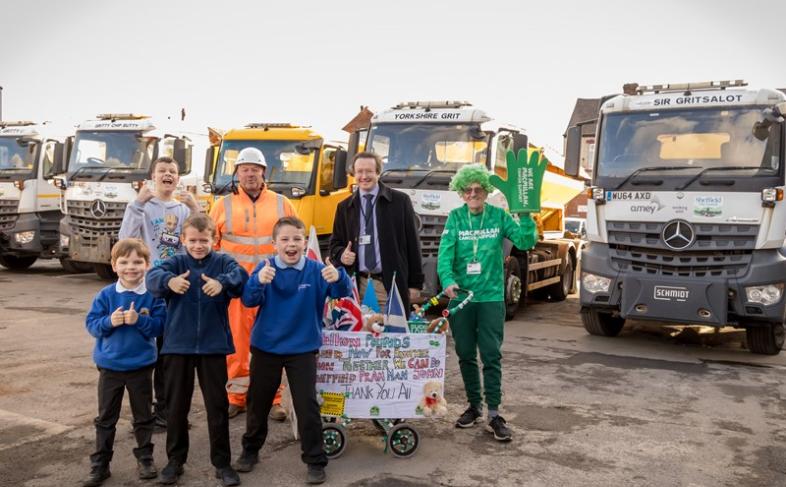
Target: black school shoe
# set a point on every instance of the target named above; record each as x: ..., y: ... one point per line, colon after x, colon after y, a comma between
x: 227, y: 476
x: 98, y: 473
x: 246, y: 461
x: 499, y: 427
x: 469, y: 418
x: 170, y: 473
x: 316, y: 474
x: 146, y: 469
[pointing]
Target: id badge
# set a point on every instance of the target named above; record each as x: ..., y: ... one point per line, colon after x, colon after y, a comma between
x: 364, y: 240
x: 473, y: 268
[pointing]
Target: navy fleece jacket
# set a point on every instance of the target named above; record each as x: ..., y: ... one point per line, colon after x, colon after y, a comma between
x: 197, y: 324
x: 125, y: 347
x: 289, y: 320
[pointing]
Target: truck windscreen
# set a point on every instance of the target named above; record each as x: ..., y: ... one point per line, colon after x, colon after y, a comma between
x: 17, y: 156
x: 289, y: 162
x: 681, y: 139
x: 105, y: 151
x: 427, y: 146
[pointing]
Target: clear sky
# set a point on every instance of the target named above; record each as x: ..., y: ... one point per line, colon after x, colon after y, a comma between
x: 315, y: 62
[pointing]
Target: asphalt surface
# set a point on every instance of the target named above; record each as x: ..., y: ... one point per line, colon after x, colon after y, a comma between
x: 653, y: 407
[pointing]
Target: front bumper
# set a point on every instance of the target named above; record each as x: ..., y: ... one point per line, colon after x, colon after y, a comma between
x: 714, y: 301
x: 45, y: 235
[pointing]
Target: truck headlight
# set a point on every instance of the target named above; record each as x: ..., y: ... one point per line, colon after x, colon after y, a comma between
x: 766, y: 295
x: 64, y: 241
x: 24, y: 237
x: 595, y: 284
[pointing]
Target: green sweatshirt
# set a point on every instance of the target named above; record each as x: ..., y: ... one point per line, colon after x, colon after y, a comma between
x: 457, y: 247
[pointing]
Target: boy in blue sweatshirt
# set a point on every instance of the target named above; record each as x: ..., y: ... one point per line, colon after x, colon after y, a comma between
x: 290, y: 291
x: 197, y: 287
x: 125, y: 320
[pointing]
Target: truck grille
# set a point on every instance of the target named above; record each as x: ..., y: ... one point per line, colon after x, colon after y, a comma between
x: 88, y: 227
x: 720, y: 250
x: 430, y: 234
x: 8, y: 214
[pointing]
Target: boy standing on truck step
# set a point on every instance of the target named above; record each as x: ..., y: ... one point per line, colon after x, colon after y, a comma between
x: 197, y: 287
x: 290, y: 291
x: 125, y: 319
x: 156, y: 217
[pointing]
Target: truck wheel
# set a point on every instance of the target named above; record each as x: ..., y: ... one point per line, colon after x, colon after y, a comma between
x: 105, y: 271
x: 766, y: 339
x: 601, y: 323
x: 13, y: 263
x: 560, y: 290
x: 514, y: 288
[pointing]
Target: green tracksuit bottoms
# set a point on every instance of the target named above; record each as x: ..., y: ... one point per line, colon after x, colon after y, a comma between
x: 479, y: 327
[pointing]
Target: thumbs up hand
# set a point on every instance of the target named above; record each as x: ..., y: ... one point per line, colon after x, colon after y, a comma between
x: 117, y: 317
x: 211, y: 287
x: 347, y: 256
x: 179, y: 284
x: 330, y: 274
x: 131, y: 316
x: 267, y: 273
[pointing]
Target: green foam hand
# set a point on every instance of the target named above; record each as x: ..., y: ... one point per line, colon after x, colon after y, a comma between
x: 525, y: 180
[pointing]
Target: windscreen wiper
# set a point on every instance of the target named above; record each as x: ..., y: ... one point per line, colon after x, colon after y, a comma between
x: 652, y: 168
x: 73, y: 176
x: 429, y: 174
x: 109, y: 170
x: 715, y: 168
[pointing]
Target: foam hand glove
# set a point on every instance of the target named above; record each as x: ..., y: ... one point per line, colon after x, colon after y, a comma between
x: 525, y: 180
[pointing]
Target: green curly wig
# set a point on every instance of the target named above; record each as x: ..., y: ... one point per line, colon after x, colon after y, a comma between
x: 471, y: 173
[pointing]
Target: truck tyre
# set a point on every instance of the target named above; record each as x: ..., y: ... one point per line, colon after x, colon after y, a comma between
x: 13, y: 263
x: 601, y: 323
x: 105, y: 272
x: 766, y: 339
x: 514, y: 287
x: 560, y: 290
x: 74, y: 267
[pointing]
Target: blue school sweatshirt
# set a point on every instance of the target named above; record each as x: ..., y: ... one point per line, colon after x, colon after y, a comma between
x: 289, y: 320
x: 126, y: 347
x: 197, y: 324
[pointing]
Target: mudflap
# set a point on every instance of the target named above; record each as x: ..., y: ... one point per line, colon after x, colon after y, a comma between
x: 686, y: 301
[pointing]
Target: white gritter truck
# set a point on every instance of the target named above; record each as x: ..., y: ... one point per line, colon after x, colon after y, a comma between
x: 110, y: 160
x: 686, y: 219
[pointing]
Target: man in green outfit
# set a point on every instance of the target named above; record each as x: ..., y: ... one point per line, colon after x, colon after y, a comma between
x: 470, y: 257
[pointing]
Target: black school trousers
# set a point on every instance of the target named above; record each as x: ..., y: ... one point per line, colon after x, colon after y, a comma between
x: 265, y: 374
x: 179, y: 389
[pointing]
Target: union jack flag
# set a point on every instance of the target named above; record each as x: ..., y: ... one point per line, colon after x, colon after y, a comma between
x: 344, y: 313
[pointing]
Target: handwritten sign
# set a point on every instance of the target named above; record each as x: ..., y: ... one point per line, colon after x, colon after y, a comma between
x: 360, y: 375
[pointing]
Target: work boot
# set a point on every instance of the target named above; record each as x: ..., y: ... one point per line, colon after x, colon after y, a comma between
x: 277, y: 413
x: 227, y: 476
x: 469, y: 418
x: 170, y: 473
x: 316, y: 474
x: 146, y: 469
x: 98, y: 473
x: 234, y: 410
x: 246, y: 461
x: 499, y: 427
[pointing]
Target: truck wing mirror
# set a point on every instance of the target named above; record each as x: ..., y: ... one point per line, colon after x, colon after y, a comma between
x: 181, y: 156
x: 210, y: 160
x: 340, y: 169
x: 59, y: 162
x: 573, y: 151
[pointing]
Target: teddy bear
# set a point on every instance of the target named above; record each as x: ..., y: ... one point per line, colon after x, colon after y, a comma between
x: 373, y: 323
x: 433, y: 403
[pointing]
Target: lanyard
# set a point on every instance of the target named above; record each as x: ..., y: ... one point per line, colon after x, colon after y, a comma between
x: 475, y: 238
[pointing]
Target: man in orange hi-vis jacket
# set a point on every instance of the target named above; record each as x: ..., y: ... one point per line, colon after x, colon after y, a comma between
x: 244, y: 227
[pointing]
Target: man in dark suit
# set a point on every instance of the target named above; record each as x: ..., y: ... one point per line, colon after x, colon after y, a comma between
x: 375, y: 234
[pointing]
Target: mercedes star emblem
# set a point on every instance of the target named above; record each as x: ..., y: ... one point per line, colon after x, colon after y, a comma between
x: 678, y: 234
x: 98, y: 208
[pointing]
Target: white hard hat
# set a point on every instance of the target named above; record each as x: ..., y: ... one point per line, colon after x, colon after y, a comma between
x: 251, y: 155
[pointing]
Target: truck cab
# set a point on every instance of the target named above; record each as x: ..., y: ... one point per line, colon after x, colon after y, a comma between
x: 109, y: 162
x: 29, y: 203
x: 423, y: 144
x: 301, y: 165
x: 686, y: 219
